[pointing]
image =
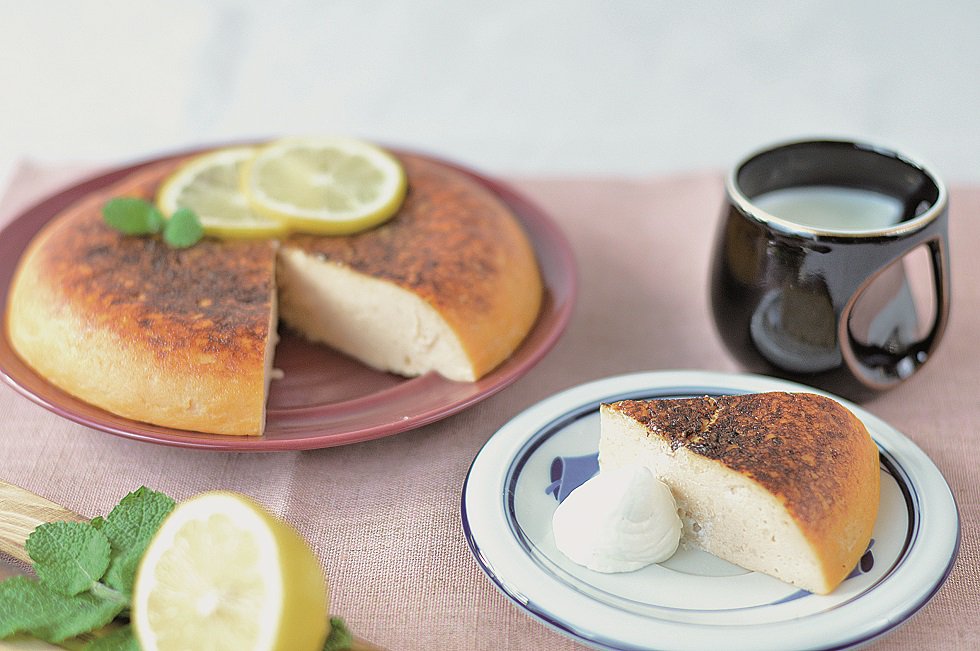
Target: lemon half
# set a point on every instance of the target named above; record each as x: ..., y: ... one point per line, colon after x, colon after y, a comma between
x: 325, y: 185
x: 224, y: 574
x: 209, y: 185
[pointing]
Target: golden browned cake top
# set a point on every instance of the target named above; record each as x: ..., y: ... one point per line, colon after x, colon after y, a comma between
x: 800, y: 446
x: 211, y: 300
x: 449, y: 233
x: 451, y: 240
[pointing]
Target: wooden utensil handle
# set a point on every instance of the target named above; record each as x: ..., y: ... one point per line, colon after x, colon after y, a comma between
x: 21, y: 511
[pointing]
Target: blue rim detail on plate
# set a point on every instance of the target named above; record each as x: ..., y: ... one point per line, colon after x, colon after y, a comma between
x: 912, y: 569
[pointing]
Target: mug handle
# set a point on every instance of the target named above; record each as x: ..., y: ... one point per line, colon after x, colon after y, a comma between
x: 879, y: 368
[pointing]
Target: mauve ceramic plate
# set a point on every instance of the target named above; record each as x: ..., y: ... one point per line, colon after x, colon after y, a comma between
x: 325, y: 398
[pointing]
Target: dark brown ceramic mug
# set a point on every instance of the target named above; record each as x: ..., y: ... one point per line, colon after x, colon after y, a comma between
x: 808, y: 279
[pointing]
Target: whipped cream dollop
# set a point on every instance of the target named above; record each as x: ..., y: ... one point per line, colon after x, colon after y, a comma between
x: 621, y: 520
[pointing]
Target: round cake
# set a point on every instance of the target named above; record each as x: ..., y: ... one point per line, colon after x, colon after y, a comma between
x: 185, y: 338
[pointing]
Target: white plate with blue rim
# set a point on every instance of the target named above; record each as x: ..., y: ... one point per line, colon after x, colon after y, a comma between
x: 694, y: 600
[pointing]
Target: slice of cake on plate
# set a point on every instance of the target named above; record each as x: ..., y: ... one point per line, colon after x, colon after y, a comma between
x: 781, y: 483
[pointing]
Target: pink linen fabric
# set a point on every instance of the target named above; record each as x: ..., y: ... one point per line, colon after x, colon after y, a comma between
x: 384, y: 516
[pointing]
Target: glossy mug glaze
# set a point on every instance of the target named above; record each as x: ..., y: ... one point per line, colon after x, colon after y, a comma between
x: 829, y: 305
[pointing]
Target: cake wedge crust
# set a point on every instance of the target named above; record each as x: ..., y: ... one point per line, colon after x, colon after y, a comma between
x: 179, y: 338
x: 781, y: 483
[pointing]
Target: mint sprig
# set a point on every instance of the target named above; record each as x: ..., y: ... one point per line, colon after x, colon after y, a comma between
x: 139, y: 217
x: 86, y: 572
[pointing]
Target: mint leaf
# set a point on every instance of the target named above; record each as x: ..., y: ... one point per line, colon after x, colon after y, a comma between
x: 16, y: 614
x: 136, y: 518
x: 122, y: 570
x: 129, y: 528
x: 132, y: 216
x: 120, y: 639
x: 28, y: 606
x: 69, y: 557
x: 340, y: 638
x: 183, y: 229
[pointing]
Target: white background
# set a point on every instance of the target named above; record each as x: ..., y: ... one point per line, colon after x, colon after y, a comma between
x: 607, y: 87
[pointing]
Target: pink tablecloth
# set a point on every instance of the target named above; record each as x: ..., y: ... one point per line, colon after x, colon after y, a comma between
x: 384, y: 516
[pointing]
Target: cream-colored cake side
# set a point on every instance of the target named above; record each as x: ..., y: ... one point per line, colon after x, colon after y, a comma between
x: 269, y: 371
x: 370, y: 319
x: 459, y: 249
x: 723, y: 512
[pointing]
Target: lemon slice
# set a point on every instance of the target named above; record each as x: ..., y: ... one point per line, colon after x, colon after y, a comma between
x: 209, y: 185
x: 224, y: 574
x: 331, y: 186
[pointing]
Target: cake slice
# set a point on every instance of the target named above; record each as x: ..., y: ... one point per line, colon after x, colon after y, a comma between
x: 781, y: 483
x: 179, y: 338
x: 451, y: 284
